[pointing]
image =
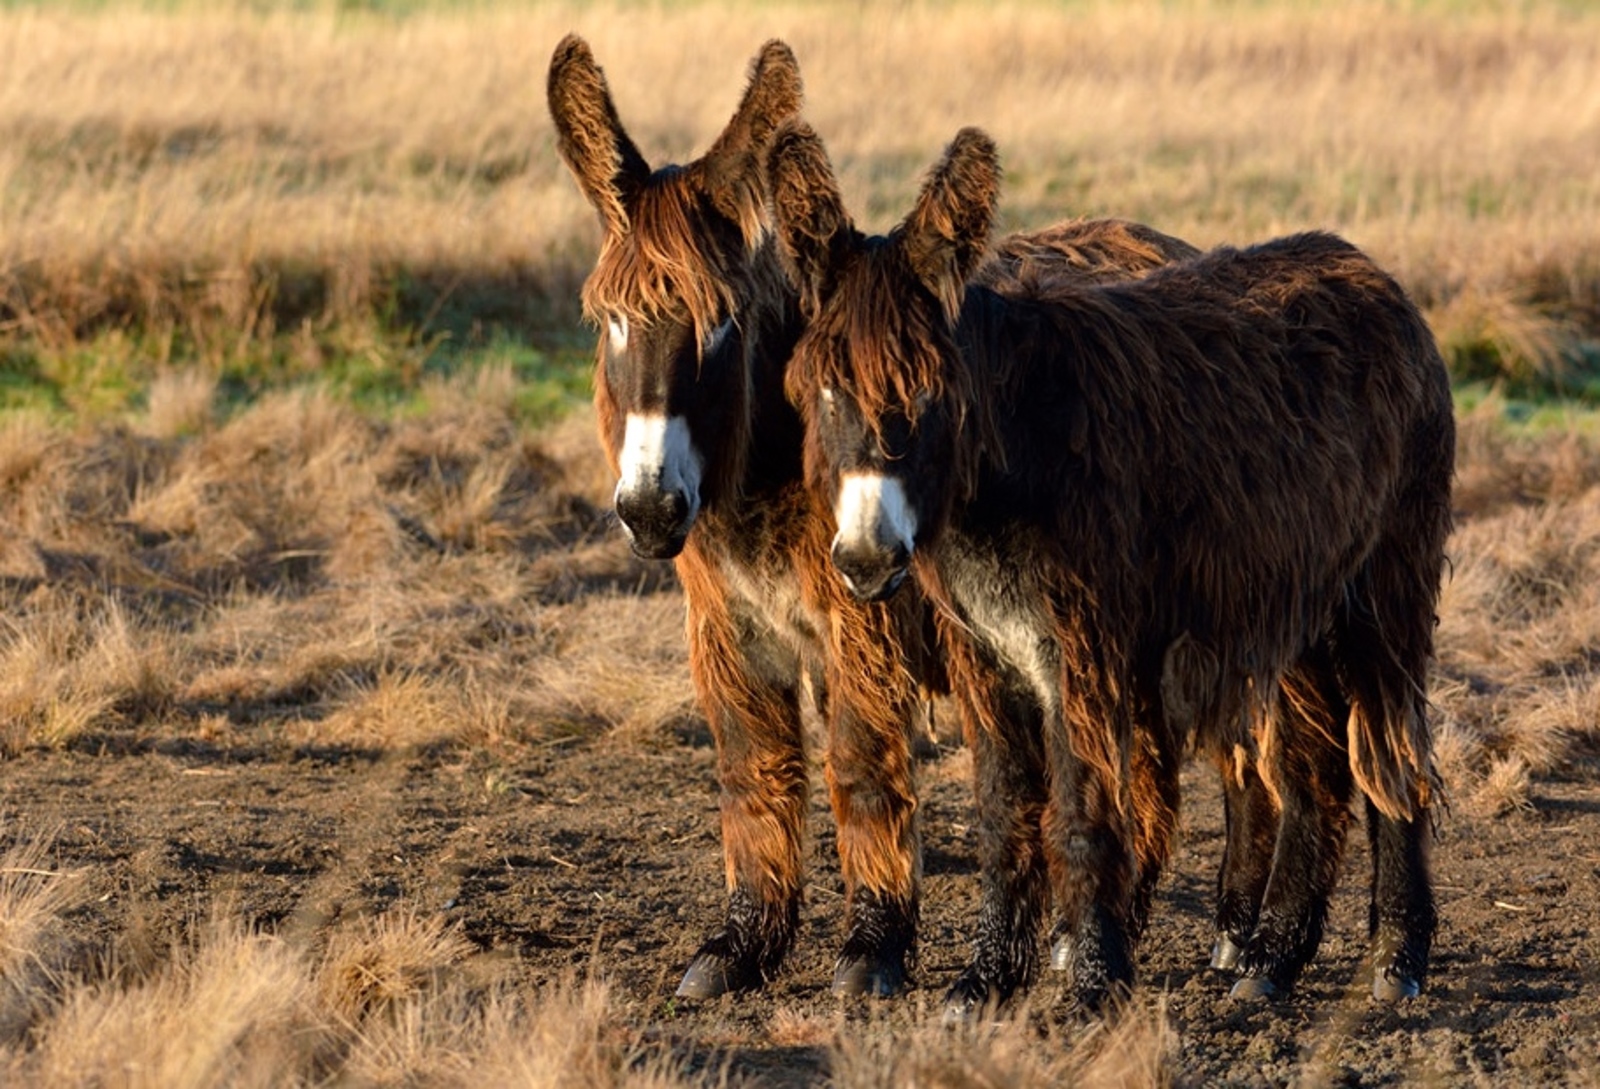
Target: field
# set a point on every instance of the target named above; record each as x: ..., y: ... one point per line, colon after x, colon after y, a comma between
x: 343, y: 742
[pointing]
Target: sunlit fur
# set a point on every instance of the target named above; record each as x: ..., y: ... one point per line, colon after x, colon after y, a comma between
x: 1250, y: 451
x: 767, y: 615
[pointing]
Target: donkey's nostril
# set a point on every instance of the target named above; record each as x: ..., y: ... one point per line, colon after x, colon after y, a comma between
x: 658, y: 522
x: 871, y: 574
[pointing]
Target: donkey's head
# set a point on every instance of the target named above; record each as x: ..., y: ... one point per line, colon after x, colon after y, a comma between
x: 877, y: 376
x: 670, y: 291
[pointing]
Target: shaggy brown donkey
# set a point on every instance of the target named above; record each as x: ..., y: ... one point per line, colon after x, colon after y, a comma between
x: 1150, y: 514
x: 699, y: 323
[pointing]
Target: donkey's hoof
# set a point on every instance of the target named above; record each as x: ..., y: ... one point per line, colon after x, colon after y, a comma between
x: 1392, y: 985
x: 1256, y: 989
x: 971, y: 1001
x: 874, y: 977
x: 1225, y: 953
x: 710, y: 975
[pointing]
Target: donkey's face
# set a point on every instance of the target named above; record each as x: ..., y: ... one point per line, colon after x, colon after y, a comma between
x: 673, y: 276
x: 672, y: 381
x: 886, y: 475
x: 876, y: 376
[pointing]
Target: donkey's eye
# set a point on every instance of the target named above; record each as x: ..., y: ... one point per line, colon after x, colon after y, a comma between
x: 617, y: 334
x: 716, y: 337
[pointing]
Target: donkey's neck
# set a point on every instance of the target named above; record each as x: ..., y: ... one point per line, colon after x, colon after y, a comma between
x: 773, y: 324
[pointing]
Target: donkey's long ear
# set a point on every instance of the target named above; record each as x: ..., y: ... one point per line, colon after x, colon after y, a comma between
x: 591, y: 139
x: 814, y: 230
x: 732, y: 168
x: 947, y: 233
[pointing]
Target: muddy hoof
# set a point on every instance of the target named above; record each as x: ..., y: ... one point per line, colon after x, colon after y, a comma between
x: 1392, y: 985
x: 711, y: 974
x: 870, y: 976
x: 1225, y: 953
x: 1256, y: 989
x: 971, y: 1001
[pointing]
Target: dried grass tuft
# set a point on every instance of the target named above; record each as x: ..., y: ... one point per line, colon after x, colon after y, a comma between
x: 1504, y: 789
x: 232, y: 1009
x: 1135, y: 1047
x: 372, y: 966
x: 34, y: 895
x: 180, y: 403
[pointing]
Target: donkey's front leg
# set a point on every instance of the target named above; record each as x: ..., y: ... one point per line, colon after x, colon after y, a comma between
x: 1088, y: 840
x: 1002, y: 728
x: 870, y: 712
x: 749, y: 687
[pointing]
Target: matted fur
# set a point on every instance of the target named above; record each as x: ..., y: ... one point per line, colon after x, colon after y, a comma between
x: 1249, y: 452
x: 766, y: 612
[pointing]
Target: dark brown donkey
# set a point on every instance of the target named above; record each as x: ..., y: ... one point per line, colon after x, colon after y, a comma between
x: 1207, y: 506
x: 698, y: 324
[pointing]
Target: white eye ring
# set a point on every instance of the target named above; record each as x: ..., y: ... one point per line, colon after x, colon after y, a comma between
x: 827, y: 395
x: 618, y: 330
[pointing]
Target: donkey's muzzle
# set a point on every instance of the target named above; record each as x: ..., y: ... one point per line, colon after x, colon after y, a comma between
x: 657, y: 522
x: 872, y: 574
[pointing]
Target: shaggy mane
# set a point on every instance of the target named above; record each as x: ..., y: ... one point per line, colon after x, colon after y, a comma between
x: 884, y: 349
x: 668, y: 264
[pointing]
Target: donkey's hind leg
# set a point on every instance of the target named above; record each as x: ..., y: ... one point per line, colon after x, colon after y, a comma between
x: 1251, y: 818
x: 749, y: 688
x: 1383, y: 660
x: 1010, y: 786
x: 1311, y: 773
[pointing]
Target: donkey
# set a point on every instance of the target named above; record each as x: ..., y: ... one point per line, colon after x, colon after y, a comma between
x: 1206, y: 507
x: 699, y: 323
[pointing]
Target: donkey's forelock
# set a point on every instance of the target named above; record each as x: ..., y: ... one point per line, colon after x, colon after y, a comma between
x: 872, y: 342
x: 676, y: 262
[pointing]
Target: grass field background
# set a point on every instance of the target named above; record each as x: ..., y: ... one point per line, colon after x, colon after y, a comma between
x: 365, y: 195
x: 293, y: 450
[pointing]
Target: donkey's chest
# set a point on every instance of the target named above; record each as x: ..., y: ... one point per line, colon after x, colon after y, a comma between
x: 771, y: 593
x: 1002, y: 602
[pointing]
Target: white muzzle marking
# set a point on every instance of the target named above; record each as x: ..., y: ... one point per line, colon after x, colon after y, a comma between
x: 873, y: 513
x: 657, y: 455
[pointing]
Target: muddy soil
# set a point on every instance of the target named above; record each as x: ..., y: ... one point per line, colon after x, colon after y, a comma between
x: 590, y: 856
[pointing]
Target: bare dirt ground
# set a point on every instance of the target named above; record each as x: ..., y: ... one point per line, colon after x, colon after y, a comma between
x: 430, y: 685
x: 590, y: 856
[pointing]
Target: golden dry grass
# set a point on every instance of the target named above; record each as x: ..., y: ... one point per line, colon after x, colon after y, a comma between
x: 380, y: 586
x: 217, y: 174
x: 301, y: 576
x: 191, y: 182
x: 389, y: 1002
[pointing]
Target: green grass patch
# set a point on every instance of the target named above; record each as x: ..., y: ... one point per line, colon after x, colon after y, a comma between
x: 1533, y: 415
x: 382, y: 372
